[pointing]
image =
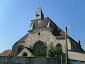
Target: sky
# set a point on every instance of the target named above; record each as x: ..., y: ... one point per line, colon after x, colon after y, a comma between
x: 16, y: 15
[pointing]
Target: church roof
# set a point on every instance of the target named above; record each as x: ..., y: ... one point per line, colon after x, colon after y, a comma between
x: 24, y: 37
x: 43, y: 23
x: 58, y: 32
x: 38, y: 14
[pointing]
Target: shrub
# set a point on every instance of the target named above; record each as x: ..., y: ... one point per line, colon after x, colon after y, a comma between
x: 41, y: 51
x: 54, y: 51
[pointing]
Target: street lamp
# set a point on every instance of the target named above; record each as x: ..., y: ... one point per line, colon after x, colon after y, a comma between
x: 66, y: 58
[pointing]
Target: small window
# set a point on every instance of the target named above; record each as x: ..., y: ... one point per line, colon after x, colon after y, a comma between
x: 24, y: 54
x: 39, y: 33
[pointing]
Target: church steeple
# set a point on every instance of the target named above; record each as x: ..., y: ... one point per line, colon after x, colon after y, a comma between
x: 38, y: 14
x: 37, y: 18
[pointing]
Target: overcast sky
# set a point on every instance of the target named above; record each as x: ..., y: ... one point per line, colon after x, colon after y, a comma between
x: 16, y: 15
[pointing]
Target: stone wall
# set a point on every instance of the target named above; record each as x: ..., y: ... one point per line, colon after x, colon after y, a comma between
x: 45, y: 36
x: 39, y: 60
x: 76, y: 56
x: 27, y: 60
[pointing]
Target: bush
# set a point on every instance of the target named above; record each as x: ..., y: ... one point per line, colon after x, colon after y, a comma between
x: 55, y: 51
x: 41, y: 51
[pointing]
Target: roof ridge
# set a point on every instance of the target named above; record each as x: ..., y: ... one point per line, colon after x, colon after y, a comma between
x: 23, y: 38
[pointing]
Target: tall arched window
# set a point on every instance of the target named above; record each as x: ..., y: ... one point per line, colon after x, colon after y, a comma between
x: 38, y: 44
x: 20, y: 48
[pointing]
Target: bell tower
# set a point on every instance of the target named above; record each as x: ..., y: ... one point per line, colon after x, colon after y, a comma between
x: 37, y: 18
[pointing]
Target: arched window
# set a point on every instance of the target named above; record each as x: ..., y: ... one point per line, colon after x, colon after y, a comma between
x: 38, y: 44
x: 24, y: 54
x: 20, y: 48
x: 58, y: 45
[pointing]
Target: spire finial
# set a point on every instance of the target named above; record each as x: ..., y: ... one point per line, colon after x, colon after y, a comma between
x: 47, y: 16
x: 39, y: 4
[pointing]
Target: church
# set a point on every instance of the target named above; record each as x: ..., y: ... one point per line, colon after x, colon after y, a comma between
x: 45, y: 30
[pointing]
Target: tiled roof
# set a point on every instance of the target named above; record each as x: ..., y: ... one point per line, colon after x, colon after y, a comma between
x: 43, y: 23
x: 5, y: 53
x: 24, y: 37
x: 58, y: 32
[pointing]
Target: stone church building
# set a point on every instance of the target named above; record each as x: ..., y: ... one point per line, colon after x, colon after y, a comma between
x: 45, y: 30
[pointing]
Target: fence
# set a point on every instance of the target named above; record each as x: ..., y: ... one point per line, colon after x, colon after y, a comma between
x: 28, y: 60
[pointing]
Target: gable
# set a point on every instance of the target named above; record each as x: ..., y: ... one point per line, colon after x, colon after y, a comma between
x: 25, y: 50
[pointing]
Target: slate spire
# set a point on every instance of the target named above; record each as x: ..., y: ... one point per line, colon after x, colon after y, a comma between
x: 38, y: 15
x: 37, y: 18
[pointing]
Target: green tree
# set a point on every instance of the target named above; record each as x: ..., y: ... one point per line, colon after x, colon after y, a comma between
x: 54, y: 51
x: 41, y: 51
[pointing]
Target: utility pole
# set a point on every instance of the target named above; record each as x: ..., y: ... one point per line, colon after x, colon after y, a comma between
x: 66, y: 57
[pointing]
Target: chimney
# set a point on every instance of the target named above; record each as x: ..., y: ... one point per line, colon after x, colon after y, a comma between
x: 79, y: 43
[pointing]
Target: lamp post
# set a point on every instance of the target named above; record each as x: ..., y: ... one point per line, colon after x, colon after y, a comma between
x: 66, y: 58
